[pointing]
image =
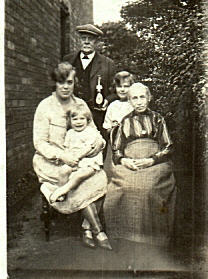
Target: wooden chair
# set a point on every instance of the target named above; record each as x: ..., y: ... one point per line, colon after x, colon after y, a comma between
x: 45, y: 216
x: 49, y: 214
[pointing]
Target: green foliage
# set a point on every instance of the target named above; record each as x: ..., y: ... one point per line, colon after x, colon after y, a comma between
x: 161, y: 42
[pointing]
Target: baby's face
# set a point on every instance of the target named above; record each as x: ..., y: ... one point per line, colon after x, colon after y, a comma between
x: 79, y: 122
x: 123, y: 89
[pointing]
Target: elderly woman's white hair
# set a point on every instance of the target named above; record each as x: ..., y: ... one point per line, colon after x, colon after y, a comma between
x: 138, y: 86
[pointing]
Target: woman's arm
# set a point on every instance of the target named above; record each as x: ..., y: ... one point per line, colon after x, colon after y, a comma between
x: 165, y: 143
x: 41, y: 142
x: 118, y: 146
x: 41, y: 130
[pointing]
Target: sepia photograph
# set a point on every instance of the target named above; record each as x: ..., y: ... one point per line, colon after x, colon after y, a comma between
x: 104, y: 123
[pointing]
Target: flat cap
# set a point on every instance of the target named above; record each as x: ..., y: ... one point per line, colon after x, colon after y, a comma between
x: 89, y: 28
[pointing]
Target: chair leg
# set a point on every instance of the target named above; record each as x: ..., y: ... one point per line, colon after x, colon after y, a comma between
x: 46, y: 217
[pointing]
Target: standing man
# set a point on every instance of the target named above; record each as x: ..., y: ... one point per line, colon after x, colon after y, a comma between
x: 95, y: 73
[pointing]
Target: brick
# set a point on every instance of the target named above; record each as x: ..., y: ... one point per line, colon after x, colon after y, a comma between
x: 32, y: 49
x: 9, y: 27
x: 26, y: 80
x: 10, y: 45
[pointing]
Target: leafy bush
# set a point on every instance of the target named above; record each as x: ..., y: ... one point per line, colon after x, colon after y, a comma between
x: 160, y: 42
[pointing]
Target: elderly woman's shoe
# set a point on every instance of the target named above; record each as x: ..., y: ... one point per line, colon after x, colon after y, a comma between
x: 88, y: 239
x: 102, y: 241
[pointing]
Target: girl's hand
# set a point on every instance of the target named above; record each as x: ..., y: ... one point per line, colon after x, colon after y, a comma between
x: 143, y: 163
x: 128, y: 163
x: 114, y: 123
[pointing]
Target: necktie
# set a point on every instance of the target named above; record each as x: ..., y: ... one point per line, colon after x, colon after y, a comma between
x: 85, y: 57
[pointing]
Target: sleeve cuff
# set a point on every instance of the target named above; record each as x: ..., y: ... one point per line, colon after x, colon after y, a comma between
x: 155, y: 158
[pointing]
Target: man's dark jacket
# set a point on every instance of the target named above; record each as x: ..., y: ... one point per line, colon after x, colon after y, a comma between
x: 100, y: 65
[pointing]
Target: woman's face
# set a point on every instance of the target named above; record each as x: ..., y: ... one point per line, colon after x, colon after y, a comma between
x: 65, y: 89
x: 122, y: 89
x: 79, y: 122
x: 139, y: 99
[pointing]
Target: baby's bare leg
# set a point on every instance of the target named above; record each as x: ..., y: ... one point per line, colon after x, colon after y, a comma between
x: 74, y: 181
x: 64, y: 173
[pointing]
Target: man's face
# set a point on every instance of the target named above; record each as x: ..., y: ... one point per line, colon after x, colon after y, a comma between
x: 139, y: 99
x: 88, y: 43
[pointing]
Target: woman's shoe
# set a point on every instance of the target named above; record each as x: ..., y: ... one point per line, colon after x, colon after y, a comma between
x: 102, y: 241
x: 88, y: 239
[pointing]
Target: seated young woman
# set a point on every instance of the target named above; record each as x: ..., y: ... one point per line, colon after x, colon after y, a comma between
x: 53, y: 162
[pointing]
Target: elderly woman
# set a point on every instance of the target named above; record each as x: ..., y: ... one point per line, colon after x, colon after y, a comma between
x: 50, y: 127
x: 139, y: 204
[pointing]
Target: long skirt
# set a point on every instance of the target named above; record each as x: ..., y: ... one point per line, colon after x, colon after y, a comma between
x: 139, y: 205
x: 90, y: 190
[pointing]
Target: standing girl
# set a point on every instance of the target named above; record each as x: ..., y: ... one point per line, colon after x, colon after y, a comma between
x: 121, y: 107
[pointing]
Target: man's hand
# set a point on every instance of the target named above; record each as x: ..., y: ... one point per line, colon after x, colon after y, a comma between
x: 114, y: 123
x: 104, y: 106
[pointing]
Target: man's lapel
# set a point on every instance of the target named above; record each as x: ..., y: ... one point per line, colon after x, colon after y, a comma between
x: 96, y: 63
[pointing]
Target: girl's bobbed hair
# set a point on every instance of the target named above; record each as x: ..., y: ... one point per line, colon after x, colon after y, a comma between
x: 121, y: 76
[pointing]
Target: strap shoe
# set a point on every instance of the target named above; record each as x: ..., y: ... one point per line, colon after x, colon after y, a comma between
x: 102, y: 241
x: 88, y: 239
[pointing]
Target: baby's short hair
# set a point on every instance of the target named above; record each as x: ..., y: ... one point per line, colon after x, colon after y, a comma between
x: 80, y: 109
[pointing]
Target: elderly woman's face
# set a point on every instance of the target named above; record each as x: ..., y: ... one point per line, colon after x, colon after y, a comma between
x: 139, y: 99
x: 65, y: 89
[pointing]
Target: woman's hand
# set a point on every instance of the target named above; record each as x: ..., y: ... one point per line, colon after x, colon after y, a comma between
x: 143, y: 163
x: 129, y: 163
x: 69, y: 159
x: 97, y: 146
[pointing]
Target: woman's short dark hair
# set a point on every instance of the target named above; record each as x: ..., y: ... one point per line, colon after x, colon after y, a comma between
x: 121, y: 76
x: 62, y: 71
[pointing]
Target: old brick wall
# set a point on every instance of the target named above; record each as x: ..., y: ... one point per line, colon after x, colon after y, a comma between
x: 32, y: 49
x: 205, y: 166
x: 85, y: 10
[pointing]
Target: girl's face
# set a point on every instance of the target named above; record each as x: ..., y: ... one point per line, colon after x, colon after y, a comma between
x: 79, y: 122
x: 122, y: 89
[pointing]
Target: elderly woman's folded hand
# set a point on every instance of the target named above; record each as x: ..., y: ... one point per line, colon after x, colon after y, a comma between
x: 129, y: 163
x: 143, y: 163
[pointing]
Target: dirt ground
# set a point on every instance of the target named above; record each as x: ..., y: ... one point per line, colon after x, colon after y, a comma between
x: 31, y: 256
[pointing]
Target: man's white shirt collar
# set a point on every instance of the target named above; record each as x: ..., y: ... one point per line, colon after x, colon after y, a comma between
x: 86, y: 62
